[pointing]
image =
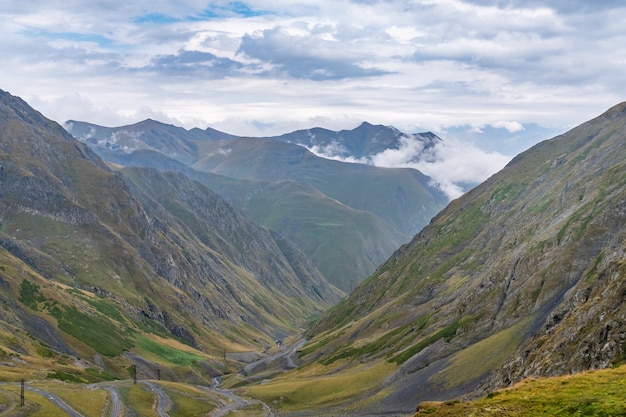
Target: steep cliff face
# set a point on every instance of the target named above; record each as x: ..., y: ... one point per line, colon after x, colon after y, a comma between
x: 275, y: 263
x: 162, y: 250
x: 523, y: 275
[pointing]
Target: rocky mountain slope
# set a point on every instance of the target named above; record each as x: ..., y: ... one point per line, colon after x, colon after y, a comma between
x: 522, y: 276
x: 102, y: 264
x: 348, y: 218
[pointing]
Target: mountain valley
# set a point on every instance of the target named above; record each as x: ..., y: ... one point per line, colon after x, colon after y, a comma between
x: 176, y: 262
x: 105, y: 265
x: 347, y: 218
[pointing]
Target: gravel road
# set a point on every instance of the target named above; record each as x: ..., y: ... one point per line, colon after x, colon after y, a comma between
x: 163, y: 401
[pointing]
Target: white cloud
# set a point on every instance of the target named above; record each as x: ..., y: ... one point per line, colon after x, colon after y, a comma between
x: 511, y: 126
x: 453, y: 165
x: 268, y: 67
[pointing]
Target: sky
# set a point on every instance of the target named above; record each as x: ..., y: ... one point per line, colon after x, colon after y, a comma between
x: 490, y: 77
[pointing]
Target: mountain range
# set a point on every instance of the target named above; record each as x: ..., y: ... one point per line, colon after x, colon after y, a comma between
x: 346, y: 217
x: 106, y: 268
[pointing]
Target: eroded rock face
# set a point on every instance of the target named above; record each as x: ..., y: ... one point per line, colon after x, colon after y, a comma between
x: 586, y: 331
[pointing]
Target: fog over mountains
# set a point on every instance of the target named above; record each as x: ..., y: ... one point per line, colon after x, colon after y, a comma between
x: 522, y: 276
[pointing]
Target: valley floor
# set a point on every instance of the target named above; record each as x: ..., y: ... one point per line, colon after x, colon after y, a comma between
x: 124, y: 398
x: 594, y: 393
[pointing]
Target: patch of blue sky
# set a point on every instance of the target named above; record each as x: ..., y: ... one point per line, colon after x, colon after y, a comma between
x: 99, y: 39
x: 262, y: 126
x: 244, y: 10
x: 235, y: 8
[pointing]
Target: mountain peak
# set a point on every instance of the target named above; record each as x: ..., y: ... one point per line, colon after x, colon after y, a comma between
x: 366, y: 124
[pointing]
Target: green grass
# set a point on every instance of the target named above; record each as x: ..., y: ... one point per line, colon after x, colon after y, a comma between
x: 97, y: 332
x: 390, y: 339
x: 187, y: 403
x: 308, y: 391
x: 88, y: 402
x: 29, y: 294
x: 167, y: 353
x: 107, y: 308
x: 493, y: 351
x: 597, y: 393
x: 319, y: 344
x: 138, y: 399
x: 67, y: 376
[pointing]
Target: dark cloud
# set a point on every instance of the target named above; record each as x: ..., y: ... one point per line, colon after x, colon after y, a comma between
x: 186, y: 62
x: 302, y: 57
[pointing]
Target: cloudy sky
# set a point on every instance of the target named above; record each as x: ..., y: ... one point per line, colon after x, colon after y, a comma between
x: 491, y: 77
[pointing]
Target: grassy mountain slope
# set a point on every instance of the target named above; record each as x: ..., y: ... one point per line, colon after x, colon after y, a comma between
x: 269, y: 258
x: 401, y: 197
x: 94, y: 265
x: 522, y: 276
x: 401, y: 200
x: 345, y: 244
x: 596, y: 393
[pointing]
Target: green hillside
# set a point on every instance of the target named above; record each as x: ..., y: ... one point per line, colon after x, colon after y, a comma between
x: 523, y: 276
x: 96, y: 266
x: 596, y: 393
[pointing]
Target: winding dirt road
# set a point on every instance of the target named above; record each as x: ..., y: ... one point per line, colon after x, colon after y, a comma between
x: 162, y: 400
x: 116, y: 404
x: 51, y: 397
x: 163, y: 403
x: 236, y: 402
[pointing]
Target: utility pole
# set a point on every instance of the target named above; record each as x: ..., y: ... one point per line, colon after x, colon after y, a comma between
x: 134, y: 374
x: 158, y: 374
x: 22, y: 402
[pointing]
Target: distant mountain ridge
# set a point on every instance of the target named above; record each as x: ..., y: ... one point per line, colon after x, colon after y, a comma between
x: 181, y: 144
x: 361, y: 142
x: 346, y: 217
